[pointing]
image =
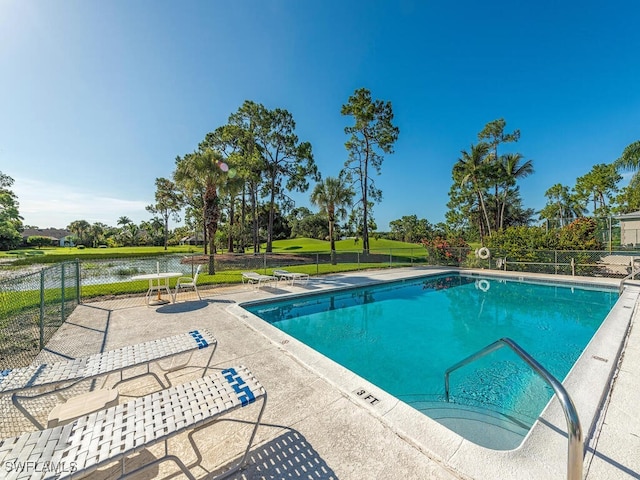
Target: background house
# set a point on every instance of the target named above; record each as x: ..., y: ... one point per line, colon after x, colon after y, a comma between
x: 197, y: 239
x: 58, y: 236
x: 629, y: 229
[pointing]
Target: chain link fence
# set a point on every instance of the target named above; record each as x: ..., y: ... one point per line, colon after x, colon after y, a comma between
x: 34, y: 305
x: 615, y: 264
x: 111, y: 277
x: 587, y: 263
x: 32, y: 308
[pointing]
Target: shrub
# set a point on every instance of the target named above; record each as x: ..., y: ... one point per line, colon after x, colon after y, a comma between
x: 446, y: 251
x: 579, y: 235
x: 536, y: 244
x: 520, y: 242
x: 40, y: 241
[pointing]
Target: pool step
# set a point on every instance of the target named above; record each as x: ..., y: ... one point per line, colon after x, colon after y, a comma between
x: 484, y: 427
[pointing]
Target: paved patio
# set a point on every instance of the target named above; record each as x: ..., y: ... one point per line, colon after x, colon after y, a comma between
x: 312, y: 428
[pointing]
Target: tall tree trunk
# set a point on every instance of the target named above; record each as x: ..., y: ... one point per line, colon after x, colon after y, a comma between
x: 166, y: 231
x: 365, y: 210
x: 231, y: 219
x: 332, y: 240
x: 502, y: 209
x: 484, y: 210
x: 481, y: 228
x: 498, y: 209
x: 243, y: 219
x: 254, y: 217
x: 212, y: 216
x: 205, y: 237
x: 272, y: 204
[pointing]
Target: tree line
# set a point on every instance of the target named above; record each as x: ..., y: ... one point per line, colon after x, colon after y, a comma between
x: 239, y: 177
x: 484, y: 197
x: 255, y: 160
x: 233, y: 188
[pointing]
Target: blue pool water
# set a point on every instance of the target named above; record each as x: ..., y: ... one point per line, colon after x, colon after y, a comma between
x: 402, y: 336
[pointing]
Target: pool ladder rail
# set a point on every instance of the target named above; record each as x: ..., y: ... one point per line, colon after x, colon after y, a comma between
x: 635, y: 270
x: 575, y: 456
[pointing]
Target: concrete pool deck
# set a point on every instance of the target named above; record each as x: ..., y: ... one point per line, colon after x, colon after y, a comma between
x: 316, y: 425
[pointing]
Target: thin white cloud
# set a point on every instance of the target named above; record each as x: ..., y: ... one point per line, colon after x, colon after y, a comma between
x: 54, y: 205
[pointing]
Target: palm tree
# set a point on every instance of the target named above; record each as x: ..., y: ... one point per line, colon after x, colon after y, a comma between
x: 153, y: 231
x: 194, y: 197
x: 231, y: 190
x: 79, y: 228
x: 510, y: 171
x: 130, y: 234
x: 128, y: 230
x: 124, y: 220
x: 203, y: 170
x: 97, y: 231
x: 630, y: 159
x: 472, y: 167
x: 332, y: 196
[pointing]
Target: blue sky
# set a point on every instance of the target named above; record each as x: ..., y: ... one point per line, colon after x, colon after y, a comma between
x: 97, y: 98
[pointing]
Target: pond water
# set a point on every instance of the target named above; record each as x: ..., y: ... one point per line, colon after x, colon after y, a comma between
x: 121, y: 270
x: 93, y: 272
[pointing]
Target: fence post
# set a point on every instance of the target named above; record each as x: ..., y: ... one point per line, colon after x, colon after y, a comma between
x: 411, y: 255
x: 264, y: 262
x: 555, y: 256
x: 390, y: 257
x: 358, y: 254
x: 317, y: 263
x: 78, y: 283
x: 62, y: 292
x: 41, y: 309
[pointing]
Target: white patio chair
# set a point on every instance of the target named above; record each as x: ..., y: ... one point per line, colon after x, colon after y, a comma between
x: 257, y: 279
x: 291, y: 276
x: 45, y: 379
x: 188, y: 282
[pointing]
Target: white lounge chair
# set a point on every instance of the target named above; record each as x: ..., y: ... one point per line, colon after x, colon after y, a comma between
x: 188, y: 282
x: 257, y: 279
x: 291, y: 276
x: 38, y: 380
x: 101, y: 438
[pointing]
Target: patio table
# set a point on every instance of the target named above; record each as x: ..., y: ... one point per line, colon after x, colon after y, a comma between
x: 157, y: 283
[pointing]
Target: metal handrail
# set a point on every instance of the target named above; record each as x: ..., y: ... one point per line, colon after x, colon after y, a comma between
x: 634, y: 271
x: 575, y: 455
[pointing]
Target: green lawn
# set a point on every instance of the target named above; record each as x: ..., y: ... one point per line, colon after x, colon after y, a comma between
x: 291, y: 245
x: 28, y: 300
x: 107, y: 252
x: 311, y: 245
x: 28, y: 256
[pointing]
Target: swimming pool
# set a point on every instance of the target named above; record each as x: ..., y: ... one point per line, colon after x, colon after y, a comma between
x: 402, y: 336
